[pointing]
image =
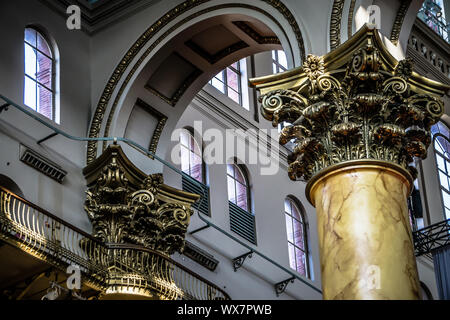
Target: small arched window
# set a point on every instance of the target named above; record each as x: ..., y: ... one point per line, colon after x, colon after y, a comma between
x: 39, y: 75
x: 238, y: 187
x: 441, y: 144
x: 296, y: 236
x: 191, y: 156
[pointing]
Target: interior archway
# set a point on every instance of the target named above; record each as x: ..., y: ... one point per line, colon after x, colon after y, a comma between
x: 169, y: 74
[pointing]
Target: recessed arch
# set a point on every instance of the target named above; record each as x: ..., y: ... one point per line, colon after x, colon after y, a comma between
x: 148, y: 45
x: 10, y: 185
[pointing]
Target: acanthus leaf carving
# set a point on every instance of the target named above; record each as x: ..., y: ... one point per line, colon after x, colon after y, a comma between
x: 363, y: 111
x: 123, y: 213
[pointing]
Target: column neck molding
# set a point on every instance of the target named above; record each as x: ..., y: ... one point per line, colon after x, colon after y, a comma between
x: 348, y: 166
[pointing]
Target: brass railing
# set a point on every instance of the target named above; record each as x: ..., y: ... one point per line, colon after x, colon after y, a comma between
x: 110, y: 268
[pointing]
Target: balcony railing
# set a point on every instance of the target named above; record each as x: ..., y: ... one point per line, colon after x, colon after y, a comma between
x: 118, y: 268
x: 432, y: 237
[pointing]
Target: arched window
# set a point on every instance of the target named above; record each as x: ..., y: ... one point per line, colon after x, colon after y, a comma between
x: 238, y: 188
x: 39, y: 77
x: 296, y: 236
x: 193, y: 165
x: 441, y: 144
x: 191, y: 156
x: 242, y: 221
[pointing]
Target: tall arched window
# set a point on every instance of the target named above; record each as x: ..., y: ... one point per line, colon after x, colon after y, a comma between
x: 242, y: 221
x: 39, y: 77
x: 441, y: 144
x: 296, y: 236
x: 192, y: 164
x: 191, y: 156
x: 238, y: 188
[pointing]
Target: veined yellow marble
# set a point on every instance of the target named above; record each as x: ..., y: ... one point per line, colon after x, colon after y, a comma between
x: 365, y: 240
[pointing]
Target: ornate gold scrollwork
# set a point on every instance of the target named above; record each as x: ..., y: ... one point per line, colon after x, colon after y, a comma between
x: 363, y: 110
x: 133, y: 212
x: 139, y: 219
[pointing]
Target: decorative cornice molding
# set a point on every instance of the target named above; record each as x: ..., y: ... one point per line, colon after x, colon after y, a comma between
x: 97, y: 16
x: 255, y: 35
x: 429, y: 52
x: 120, y: 69
x: 430, y: 35
x: 159, y: 127
x: 398, y: 22
x: 423, y: 64
x: 335, y: 23
x: 212, y: 59
x: 351, y: 12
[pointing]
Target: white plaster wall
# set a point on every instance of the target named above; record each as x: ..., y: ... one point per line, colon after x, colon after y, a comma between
x: 270, y: 226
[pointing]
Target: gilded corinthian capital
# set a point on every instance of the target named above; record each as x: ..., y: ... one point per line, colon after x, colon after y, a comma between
x: 355, y: 103
x: 127, y: 206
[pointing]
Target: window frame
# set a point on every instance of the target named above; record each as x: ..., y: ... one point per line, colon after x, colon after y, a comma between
x: 53, y: 60
x: 243, y: 172
x: 301, y: 211
x: 438, y: 170
x: 226, y: 87
x: 276, y: 62
x: 189, y: 132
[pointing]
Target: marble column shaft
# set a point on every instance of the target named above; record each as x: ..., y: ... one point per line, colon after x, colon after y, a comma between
x: 366, y: 246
